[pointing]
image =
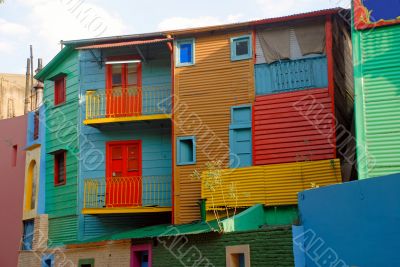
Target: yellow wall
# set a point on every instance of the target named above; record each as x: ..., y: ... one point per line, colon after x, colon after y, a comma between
x: 31, y: 155
x: 271, y: 185
x: 204, y: 94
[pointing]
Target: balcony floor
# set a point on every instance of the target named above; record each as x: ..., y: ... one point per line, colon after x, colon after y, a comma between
x: 127, y: 119
x: 125, y: 210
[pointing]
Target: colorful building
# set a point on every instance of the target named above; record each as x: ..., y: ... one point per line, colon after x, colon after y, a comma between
x: 376, y: 68
x: 12, y: 166
x: 131, y: 120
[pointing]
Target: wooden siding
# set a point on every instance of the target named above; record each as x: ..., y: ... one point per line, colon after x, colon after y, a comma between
x: 61, y: 133
x: 204, y: 94
x: 155, y: 136
x: 271, y: 185
x: 291, y: 127
x: 377, y: 83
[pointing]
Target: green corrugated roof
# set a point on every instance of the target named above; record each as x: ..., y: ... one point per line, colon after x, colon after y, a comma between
x: 161, y: 230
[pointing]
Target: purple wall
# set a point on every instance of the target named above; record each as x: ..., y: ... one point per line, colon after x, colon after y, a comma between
x: 12, y: 132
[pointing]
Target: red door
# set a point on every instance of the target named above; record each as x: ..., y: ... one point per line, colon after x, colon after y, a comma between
x: 124, y: 90
x: 124, y: 170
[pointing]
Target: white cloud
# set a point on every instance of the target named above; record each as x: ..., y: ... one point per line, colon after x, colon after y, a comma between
x: 10, y: 28
x: 53, y: 20
x: 271, y: 8
x: 6, y: 47
x: 175, y: 23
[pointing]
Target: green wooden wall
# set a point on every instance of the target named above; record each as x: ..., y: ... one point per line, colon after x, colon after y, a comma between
x: 377, y: 100
x: 61, y: 133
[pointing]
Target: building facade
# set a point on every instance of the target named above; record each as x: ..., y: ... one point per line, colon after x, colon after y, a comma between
x: 376, y: 68
x: 208, y: 133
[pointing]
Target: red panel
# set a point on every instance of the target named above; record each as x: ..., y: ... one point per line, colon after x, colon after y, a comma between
x: 291, y: 127
x: 124, y: 170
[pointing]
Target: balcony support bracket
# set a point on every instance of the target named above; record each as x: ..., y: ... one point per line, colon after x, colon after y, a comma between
x: 140, y: 53
x: 98, y: 60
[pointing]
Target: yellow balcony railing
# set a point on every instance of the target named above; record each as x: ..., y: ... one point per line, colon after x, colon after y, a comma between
x: 127, y: 192
x: 130, y: 103
x: 271, y: 185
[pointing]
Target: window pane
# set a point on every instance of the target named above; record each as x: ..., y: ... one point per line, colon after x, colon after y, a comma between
x: 133, y: 160
x: 116, y: 74
x: 34, y: 181
x: 185, y: 52
x: 132, y: 73
x: 61, y: 167
x: 242, y: 47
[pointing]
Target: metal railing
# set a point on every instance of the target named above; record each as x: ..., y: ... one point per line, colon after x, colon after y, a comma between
x: 128, y: 102
x: 136, y: 191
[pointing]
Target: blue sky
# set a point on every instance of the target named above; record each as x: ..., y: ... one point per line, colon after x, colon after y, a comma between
x: 43, y: 23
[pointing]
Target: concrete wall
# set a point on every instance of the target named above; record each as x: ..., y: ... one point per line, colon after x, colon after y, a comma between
x: 355, y: 223
x: 11, y: 188
x: 12, y: 95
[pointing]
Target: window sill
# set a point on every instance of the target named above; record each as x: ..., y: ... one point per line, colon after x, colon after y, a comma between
x: 186, y: 163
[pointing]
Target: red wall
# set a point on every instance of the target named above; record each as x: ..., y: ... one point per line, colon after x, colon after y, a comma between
x: 12, y: 132
x: 291, y: 127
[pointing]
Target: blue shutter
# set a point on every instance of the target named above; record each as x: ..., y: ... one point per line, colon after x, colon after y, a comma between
x: 240, y: 137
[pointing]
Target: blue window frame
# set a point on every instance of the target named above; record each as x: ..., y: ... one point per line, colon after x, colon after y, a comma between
x: 48, y: 260
x: 186, y: 150
x: 27, y: 237
x: 185, y: 52
x: 241, y: 47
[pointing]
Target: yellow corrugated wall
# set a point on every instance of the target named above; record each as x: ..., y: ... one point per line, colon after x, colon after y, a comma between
x: 204, y: 94
x: 272, y: 185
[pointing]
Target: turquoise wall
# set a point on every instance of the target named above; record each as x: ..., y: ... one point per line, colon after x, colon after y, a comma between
x: 377, y: 100
x: 62, y: 133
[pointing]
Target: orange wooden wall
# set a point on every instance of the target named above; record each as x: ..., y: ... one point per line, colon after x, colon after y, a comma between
x: 204, y: 95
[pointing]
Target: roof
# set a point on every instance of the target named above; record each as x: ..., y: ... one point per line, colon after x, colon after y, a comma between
x: 161, y: 231
x: 41, y: 75
x: 146, y: 38
x: 163, y: 34
x: 122, y: 44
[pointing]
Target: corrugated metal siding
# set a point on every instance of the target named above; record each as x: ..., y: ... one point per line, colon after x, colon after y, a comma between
x: 206, y: 92
x: 379, y: 114
x: 63, y: 229
x: 61, y: 133
x: 286, y: 130
x: 99, y: 225
x: 272, y: 185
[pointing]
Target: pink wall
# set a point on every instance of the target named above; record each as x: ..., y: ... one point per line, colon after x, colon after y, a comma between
x: 12, y: 132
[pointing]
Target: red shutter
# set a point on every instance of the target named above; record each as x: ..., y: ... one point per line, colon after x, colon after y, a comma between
x: 59, y: 90
x: 36, y: 126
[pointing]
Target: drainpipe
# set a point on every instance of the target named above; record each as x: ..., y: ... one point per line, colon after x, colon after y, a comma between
x: 203, y: 212
x: 27, y: 87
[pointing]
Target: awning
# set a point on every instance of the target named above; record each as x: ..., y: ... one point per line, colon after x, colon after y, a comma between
x: 160, y: 231
x: 123, y: 44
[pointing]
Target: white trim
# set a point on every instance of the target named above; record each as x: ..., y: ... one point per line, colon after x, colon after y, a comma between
x: 122, y: 62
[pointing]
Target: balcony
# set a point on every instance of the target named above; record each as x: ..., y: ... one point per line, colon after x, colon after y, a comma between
x: 127, y: 195
x: 291, y: 75
x: 271, y: 185
x: 128, y: 104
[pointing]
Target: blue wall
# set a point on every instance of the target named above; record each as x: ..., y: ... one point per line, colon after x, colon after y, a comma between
x: 156, y: 145
x: 291, y: 75
x: 357, y: 223
x: 41, y: 140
